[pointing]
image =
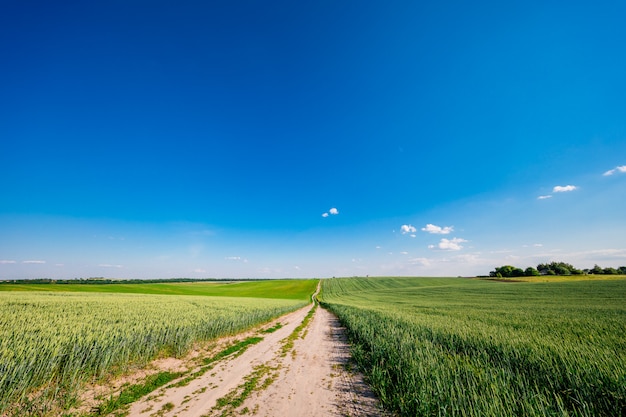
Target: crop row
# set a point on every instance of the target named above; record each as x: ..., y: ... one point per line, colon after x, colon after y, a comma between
x: 469, y: 348
x: 52, y: 343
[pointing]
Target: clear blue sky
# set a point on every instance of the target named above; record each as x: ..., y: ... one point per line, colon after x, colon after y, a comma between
x: 152, y: 139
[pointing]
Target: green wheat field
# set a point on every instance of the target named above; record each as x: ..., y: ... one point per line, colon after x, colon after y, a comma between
x: 428, y: 346
x: 468, y: 347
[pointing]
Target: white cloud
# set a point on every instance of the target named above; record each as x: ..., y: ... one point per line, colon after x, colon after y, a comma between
x: 449, y: 244
x: 438, y: 230
x: 5, y: 262
x: 199, y: 271
x: 563, y: 188
x: 33, y: 262
x: 324, y: 214
x: 538, y: 245
x: 620, y: 169
x: 333, y: 211
x: 407, y: 228
x: 544, y: 197
x: 110, y: 266
x: 404, y: 253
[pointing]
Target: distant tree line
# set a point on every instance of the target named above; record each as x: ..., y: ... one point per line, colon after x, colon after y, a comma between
x: 553, y: 268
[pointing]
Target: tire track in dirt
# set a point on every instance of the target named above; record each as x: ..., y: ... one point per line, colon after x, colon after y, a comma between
x: 285, y: 376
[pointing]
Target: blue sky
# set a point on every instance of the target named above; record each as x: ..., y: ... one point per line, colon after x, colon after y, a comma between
x: 287, y: 139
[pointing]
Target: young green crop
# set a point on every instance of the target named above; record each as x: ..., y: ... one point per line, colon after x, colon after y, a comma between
x: 293, y: 289
x: 476, y: 348
x: 51, y: 343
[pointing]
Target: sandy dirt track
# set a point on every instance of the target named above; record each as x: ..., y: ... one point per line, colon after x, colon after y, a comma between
x: 310, y: 376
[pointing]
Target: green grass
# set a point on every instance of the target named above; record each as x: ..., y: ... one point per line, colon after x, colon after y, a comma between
x: 132, y: 393
x: 282, y: 289
x: 446, y: 346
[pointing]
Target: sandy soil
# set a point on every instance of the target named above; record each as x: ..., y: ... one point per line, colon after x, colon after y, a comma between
x: 312, y: 377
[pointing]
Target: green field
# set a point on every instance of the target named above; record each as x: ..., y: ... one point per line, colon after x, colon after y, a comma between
x: 53, y: 341
x: 467, y: 347
x: 283, y: 289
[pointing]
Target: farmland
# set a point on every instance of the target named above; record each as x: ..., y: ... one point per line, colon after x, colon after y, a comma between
x: 282, y: 289
x: 53, y: 341
x: 482, y: 348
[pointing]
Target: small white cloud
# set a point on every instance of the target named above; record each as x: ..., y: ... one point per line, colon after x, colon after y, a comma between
x: 334, y: 211
x: 33, y: 262
x: 404, y: 253
x: 296, y: 267
x: 538, y: 245
x: 564, y: 188
x: 110, y: 266
x: 449, y: 244
x: 6, y: 262
x: 544, y: 197
x: 378, y: 247
x: 324, y: 214
x: 412, y: 235
x: 407, y: 228
x: 620, y: 169
x: 438, y: 230
x: 199, y: 271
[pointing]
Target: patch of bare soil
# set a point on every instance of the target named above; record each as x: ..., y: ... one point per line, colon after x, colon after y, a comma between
x: 293, y: 371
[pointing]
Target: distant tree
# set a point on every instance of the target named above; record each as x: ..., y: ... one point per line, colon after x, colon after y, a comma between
x: 561, y: 270
x: 558, y: 268
x: 531, y: 272
x: 622, y: 270
x: 517, y: 272
x: 502, y: 271
x: 596, y: 270
x: 610, y: 271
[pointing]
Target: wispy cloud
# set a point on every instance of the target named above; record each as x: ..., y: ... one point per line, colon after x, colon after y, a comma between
x: 110, y: 266
x: 420, y: 261
x: 438, y: 230
x: 407, y: 228
x: 617, y: 170
x: 33, y: 262
x: 544, y: 197
x: 564, y: 188
x: 449, y: 244
x: 6, y: 262
x: 199, y: 271
x: 236, y: 259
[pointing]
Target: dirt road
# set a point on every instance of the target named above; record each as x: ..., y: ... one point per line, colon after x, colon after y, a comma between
x: 298, y: 369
